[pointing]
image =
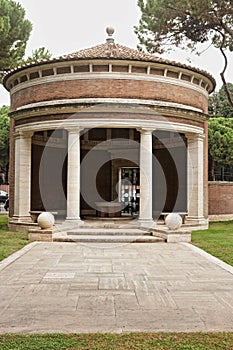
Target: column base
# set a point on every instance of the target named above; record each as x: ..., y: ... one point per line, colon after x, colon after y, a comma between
x: 76, y: 221
x: 20, y: 223
x: 17, y: 219
x: 146, y: 222
x: 197, y: 222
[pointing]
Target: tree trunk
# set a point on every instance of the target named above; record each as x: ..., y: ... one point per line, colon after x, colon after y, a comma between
x: 222, y: 74
x: 212, y: 170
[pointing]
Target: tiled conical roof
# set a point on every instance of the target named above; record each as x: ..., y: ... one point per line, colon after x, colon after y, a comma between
x: 112, y: 50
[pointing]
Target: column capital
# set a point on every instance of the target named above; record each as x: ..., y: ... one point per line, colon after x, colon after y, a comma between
x: 74, y: 129
x: 21, y: 134
x: 145, y: 130
x: 195, y: 137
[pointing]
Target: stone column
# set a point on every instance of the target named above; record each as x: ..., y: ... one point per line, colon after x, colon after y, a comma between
x: 73, y: 176
x: 196, y: 179
x: 145, y: 211
x: 22, y: 191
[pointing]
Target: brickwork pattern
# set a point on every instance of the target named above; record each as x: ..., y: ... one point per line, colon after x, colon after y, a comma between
x: 220, y: 198
x: 109, y: 88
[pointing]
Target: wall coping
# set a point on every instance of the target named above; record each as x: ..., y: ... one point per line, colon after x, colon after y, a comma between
x: 220, y: 183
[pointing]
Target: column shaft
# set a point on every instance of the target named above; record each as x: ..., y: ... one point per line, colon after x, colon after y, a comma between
x: 73, y: 176
x: 196, y: 179
x: 145, y: 213
x: 22, y: 197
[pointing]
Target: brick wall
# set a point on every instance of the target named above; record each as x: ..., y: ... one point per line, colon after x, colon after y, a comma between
x: 116, y: 88
x: 220, y: 198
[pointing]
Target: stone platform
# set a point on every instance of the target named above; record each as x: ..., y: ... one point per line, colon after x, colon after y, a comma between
x: 118, y: 288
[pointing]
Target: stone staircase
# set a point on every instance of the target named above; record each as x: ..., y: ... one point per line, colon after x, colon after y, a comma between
x: 107, y: 232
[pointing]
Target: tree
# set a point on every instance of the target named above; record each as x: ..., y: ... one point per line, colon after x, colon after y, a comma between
x: 184, y: 23
x: 218, y: 104
x: 14, y: 34
x: 220, y: 142
x: 39, y: 54
x: 4, y: 138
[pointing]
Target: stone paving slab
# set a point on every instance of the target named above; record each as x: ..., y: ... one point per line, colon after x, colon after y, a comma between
x: 73, y: 287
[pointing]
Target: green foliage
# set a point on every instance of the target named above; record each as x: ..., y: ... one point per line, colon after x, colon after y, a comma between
x: 4, y: 136
x: 219, y: 105
x: 221, y: 140
x: 14, y: 33
x: 166, y: 24
x: 184, y: 23
x: 39, y: 54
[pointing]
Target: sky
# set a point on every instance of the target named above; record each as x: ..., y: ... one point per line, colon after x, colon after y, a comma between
x: 68, y: 26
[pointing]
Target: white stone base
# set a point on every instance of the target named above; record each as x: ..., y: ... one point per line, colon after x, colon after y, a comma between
x: 38, y: 235
x: 145, y: 223
x: 21, y: 219
x: 221, y: 217
x: 175, y: 237
x: 197, y: 221
x: 74, y: 221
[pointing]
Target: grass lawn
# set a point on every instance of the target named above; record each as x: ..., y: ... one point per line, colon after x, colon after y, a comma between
x: 218, y: 240
x: 10, y: 242
x: 132, y: 341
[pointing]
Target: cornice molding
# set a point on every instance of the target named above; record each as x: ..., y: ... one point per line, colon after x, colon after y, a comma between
x: 112, y: 101
x: 107, y: 123
x: 114, y: 109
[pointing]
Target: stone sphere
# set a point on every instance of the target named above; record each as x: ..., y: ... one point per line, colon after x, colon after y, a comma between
x: 110, y: 30
x: 45, y: 220
x: 173, y: 221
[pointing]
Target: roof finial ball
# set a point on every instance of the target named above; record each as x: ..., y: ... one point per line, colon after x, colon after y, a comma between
x: 110, y: 31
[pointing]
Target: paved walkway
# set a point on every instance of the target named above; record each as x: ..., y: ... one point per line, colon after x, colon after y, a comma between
x: 72, y: 287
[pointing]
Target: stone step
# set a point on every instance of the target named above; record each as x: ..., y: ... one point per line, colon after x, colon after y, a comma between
x: 108, y: 232
x: 109, y: 239
x: 108, y: 225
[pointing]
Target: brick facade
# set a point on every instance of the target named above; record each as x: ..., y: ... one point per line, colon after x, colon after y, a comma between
x: 220, y: 198
x: 109, y: 88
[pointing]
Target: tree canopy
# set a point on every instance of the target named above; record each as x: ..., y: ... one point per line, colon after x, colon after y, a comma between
x: 14, y: 34
x: 218, y: 103
x: 165, y: 24
x: 37, y: 55
x: 221, y: 141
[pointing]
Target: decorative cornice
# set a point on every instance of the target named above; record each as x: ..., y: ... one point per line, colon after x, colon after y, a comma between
x: 164, y: 124
x: 101, y: 108
x: 111, y: 101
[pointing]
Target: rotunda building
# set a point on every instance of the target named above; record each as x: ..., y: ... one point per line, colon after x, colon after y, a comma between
x: 108, y: 132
